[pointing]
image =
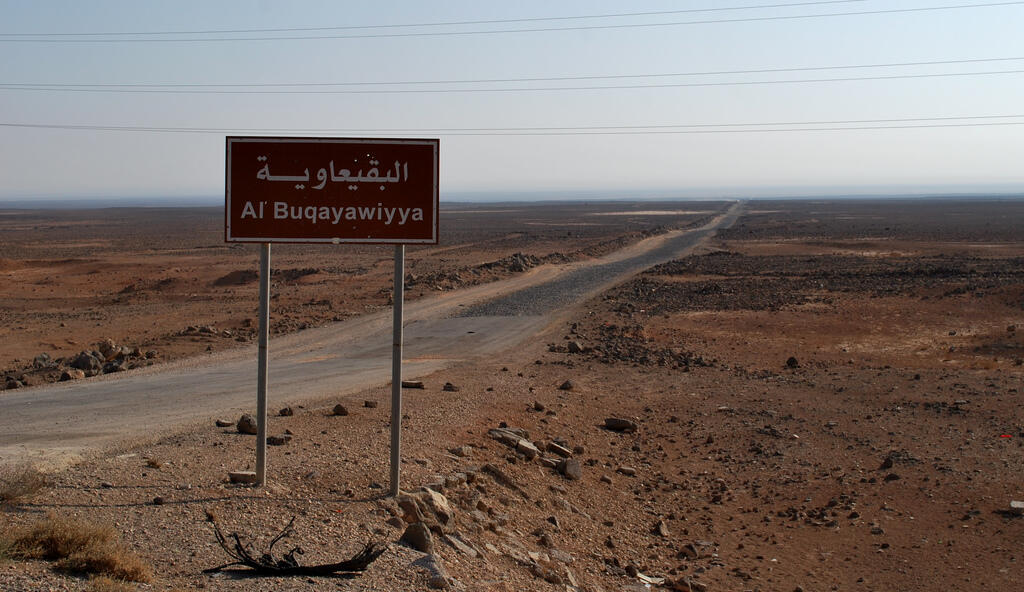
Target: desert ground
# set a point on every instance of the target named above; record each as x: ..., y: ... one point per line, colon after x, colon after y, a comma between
x: 825, y: 395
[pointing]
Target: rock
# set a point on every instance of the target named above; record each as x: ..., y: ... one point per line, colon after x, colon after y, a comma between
x: 460, y: 545
x: 438, y: 505
x: 661, y: 529
x: 396, y: 522
x: 12, y: 383
x: 620, y: 425
x: 112, y: 367
x: 575, y: 347
x: 340, y: 409
x: 224, y: 423
x: 571, y: 469
x: 606, y: 479
x: 538, y: 406
x: 527, y: 449
x: 627, y: 471
x: 159, y: 501
x: 246, y: 424
x: 286, y: 412
x: 412, y: 384
x: 892, y: 477
x: 370, y: 404
x: 792, y: 362
x: 1017, y: 508
x: 567, y: 386
x: 87, y: 363
x: 411, y: 509
x: 108, y: 348
x: 886, y: 463
x: 449, y: 387
x: 43, y: 360
x: 71, y: 374
x: 279, y: 440
x: 559, y: 449
x: 242, y: 476
x: 461, y: 451
x: 418, y: 536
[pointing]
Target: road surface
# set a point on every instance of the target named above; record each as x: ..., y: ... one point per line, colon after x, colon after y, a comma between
x: 56, y: 424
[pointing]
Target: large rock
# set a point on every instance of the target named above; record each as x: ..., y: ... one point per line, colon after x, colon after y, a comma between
x: 418, y: 536
x: 88, y: 363
x: 71, y: 374
x: 246, y: 424
x: 571, y: 469
x: 617, y: 424
x: 438, y: 505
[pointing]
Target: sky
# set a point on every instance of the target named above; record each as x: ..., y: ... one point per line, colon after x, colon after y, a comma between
x: 665, y: 120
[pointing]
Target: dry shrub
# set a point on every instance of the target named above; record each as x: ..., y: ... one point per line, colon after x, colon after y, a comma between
x: 81, y: 547
x: 19, y: 481
x: 106, y: 584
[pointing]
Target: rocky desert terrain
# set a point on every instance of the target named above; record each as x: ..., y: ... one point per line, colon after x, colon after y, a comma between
x: 825, y: 396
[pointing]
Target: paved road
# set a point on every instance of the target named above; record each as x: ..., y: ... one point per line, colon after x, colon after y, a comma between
x: 58, y: 423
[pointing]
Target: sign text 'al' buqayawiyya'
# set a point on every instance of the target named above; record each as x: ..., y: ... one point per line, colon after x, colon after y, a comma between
x: 331, y: 190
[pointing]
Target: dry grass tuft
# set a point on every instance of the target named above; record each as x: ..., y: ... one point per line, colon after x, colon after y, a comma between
x: 20, y: 481
x: 154, y: 463
x: 80, y: 547
x: 107, y: 584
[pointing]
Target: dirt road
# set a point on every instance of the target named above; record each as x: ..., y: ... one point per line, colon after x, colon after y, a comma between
x: 56, y: 424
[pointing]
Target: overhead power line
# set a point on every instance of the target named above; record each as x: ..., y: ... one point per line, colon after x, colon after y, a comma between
x: 168, y: 85
x: 700, y: 128
x: 434, y: 24
x: 505, y: 90
x: 52, y: 39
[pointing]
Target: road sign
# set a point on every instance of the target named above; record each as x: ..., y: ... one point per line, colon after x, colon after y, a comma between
x: 331, y: 190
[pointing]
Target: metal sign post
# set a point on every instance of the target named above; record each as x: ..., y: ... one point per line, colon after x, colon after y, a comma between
x: 396, y: 370
x: 261, y: 375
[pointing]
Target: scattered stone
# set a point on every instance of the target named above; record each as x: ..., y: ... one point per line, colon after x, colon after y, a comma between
x: 606, y: 479
x: 286, y: 412
x: 279, y: 440
x: 620, y: 425
x: 449, y: 387
x: 246, y: 424
x: 340, y: 409
x: 418, y: 536
x: 159, y: 501
x: 886, y: 463
x: 370, y: 404
x: 247, y: 477
x: 575, y: 347
x: 661, y: 529
x: 559, y: 449
x: 792, y: 362
x: 460, y: 545
x: 43, y: 360
x: 571, y: 469
x: 461, y: 451
x: 88, y: 363
x: 1017, y: 508
x: 412, y: 384
x: 892, y: 477
x: 396, y: 522
x: 224, y: 423
x: 527, y: 449
x: 438, y: 505
x: 71, y: 374
x: 411, y: 509
x: 627, y: 471
x: 567, y: 386
x: 538, y: 406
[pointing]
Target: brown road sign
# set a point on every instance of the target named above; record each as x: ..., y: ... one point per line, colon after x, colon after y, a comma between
x: 331, y: 190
